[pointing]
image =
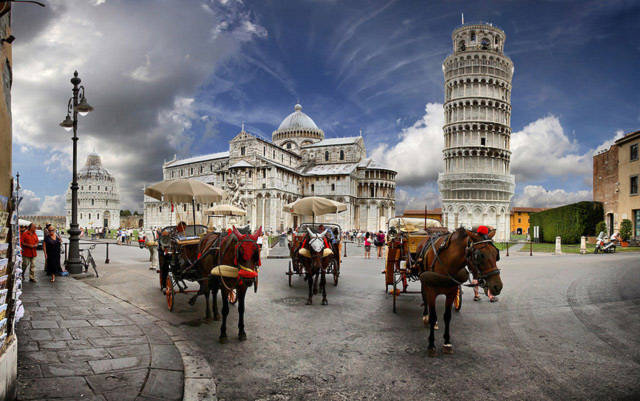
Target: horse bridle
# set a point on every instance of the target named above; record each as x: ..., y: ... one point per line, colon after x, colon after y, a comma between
x: 475, y: 265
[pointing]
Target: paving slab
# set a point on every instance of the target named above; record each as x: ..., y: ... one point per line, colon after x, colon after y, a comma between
x: 92, y: 350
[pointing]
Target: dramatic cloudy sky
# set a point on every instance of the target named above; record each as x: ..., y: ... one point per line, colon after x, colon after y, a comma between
x: 179, y: 77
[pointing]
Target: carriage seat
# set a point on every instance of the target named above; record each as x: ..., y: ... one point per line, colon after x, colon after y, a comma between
x: 183, y: 241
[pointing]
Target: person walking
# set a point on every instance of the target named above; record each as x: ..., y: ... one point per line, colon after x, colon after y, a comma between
x: 152, y: 244
x: 367, y: 246
x: 29, y: 244
x: 51, y: 248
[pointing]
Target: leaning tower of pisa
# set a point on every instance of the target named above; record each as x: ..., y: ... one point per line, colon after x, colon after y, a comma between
x: 476, y: 186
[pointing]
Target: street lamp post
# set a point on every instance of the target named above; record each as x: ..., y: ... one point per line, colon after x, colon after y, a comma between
x: 74, y: 264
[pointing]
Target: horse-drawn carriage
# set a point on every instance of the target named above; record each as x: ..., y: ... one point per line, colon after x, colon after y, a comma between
x: 315, y: 248
x: 227, y: 261
x: 178, y: 252
x: 404, y: 236
x: 330, y: 235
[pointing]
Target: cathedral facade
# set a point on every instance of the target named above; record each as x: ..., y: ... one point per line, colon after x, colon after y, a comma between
x: 262, y: 176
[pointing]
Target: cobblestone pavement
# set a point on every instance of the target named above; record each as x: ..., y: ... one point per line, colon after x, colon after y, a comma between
x: 566, y: 327
x: 79, y: 343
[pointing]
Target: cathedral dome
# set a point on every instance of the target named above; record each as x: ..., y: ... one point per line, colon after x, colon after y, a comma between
x: 297, y: 128
x: 297, y: 120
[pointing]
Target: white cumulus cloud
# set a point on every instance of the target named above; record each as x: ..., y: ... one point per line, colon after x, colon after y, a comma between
x: 417, y: 157
x: 538, y: 196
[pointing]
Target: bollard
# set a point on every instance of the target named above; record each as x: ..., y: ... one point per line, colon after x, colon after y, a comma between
x: 507, y: 248
x: 106, y: 261
x: 65, y: 254
x: 530, y: 248
x: 583, y: 245
x: 345, y: 249
x: 558, y: 246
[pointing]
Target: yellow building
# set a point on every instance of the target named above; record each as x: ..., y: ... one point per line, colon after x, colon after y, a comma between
x: 520, y: 219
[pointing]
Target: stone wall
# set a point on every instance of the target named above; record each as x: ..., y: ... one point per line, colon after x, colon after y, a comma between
x: 606, y: 184
x: 41, y: 221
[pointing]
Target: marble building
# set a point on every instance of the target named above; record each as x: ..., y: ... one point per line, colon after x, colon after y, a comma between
x: 476, y: 186
x: 263, y: 175
x: 98, y: 196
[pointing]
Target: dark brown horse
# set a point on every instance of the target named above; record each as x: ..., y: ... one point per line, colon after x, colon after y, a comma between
x: 443, y: 264
x: 241, y: 251
x: 315, y: 254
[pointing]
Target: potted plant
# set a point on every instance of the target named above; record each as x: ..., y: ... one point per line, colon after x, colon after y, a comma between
x: 625, y: 232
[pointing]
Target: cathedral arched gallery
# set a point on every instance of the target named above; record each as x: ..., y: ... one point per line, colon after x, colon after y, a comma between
x: 262, y: 176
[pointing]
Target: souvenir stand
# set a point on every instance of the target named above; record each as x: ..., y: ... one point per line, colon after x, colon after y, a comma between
x: 11, y: 308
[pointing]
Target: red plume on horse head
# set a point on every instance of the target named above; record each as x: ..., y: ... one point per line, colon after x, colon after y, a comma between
x: 237, y: 233
x: 257, y: 234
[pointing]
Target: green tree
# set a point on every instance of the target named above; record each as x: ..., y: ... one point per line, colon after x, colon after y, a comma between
x: 125, y: 213
x: 625, y: 229
x: 601, y: 227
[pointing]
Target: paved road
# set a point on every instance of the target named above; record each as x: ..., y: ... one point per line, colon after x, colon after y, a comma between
x: 566, y: 327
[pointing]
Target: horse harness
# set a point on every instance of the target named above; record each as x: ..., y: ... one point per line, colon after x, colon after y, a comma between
x: 473, y: 257
x: 470, y: 256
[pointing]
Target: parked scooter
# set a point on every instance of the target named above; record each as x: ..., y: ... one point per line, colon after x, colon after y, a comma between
x: 604, y: 244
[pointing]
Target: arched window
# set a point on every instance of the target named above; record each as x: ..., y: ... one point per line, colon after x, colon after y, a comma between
x: 342, y: 155
x: 462, y: 46
x: 289, y: 145
x: 326, y: 156
x: 81, y: 215
x: 89, y: 216
x: 160, y: 209
x: 473, y: 36
x: 485, y: 43
x: 98, y: 216
x: 91, y: 202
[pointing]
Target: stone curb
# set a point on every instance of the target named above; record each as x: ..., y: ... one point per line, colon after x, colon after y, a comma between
x: 199, y: 384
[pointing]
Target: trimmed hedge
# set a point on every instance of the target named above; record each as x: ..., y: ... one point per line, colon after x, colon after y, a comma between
x: 570, y: 222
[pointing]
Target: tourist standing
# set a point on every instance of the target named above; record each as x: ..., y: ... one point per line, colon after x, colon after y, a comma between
x: 380, y: 243
x: 367, y: 246
x: 51, y: 249
x: 29, y: 244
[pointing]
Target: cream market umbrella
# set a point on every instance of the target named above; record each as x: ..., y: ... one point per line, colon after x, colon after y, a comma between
x: 315, y: 206
x: 225, y: 210
x: 184, y: 190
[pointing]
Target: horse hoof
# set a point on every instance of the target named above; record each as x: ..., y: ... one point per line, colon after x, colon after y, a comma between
x: 435, y: 326
x: 309, y: 302
x: 223, y: 340
x: 425, y: 320
x: 432, y: 352
x: 324, y: 302
x: 447, y: 349
x: 242, y: 336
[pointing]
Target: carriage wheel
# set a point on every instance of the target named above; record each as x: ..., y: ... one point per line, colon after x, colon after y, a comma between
x: 233, y: 297
x: 290, y: 273
x: 170, y: 293
x: 457, y: 301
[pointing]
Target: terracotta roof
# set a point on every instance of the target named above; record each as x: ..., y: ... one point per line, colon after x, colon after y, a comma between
x: 528, y: 209
x: 421, y: 211
x: 628, y: 137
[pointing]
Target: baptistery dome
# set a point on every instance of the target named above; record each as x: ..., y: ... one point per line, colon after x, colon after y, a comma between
x: 296, y: 130
x: 98, y: 196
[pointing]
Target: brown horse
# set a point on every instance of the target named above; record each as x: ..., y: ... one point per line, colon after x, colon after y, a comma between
x: 242, y: 251
x: 315, y: 254
x: 443, y: 262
